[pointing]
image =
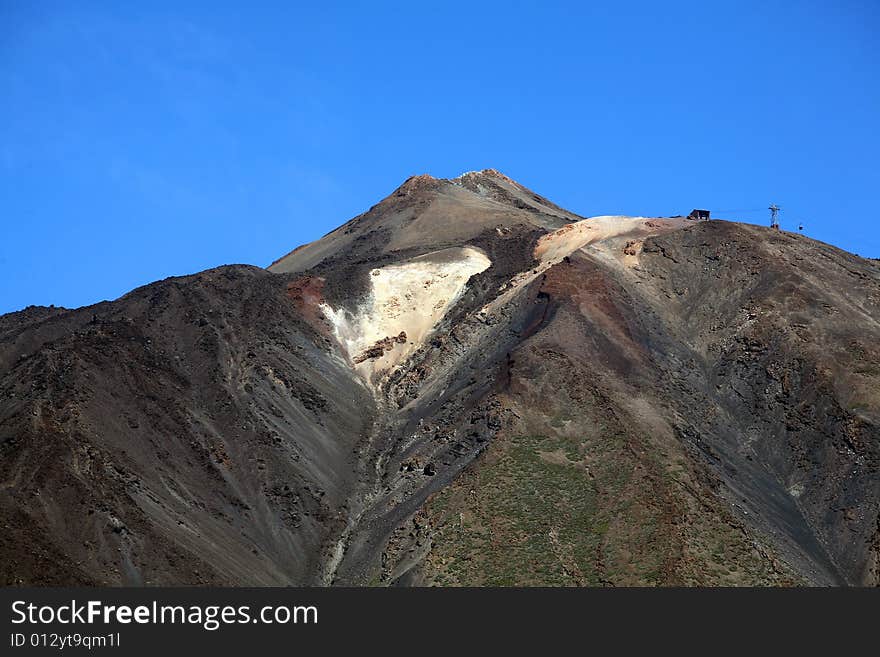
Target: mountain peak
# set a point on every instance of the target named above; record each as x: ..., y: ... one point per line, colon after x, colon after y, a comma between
x: 425, y: 181
x: 486, y: 173
x: 463, y: 349
x: 415, y: 183
x: 426, y: 213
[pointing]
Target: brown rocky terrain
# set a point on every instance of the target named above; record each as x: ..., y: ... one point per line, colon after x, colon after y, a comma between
x: 465, y: 385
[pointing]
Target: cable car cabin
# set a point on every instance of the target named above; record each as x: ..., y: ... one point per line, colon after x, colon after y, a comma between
x: 699, y: 215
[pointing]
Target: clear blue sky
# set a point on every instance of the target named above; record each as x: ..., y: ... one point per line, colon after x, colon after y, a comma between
x: 143, y: 140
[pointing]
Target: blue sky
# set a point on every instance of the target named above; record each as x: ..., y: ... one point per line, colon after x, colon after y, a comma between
x: 144, y: 140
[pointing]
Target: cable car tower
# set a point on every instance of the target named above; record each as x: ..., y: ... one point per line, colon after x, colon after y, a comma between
x: 774, y: 215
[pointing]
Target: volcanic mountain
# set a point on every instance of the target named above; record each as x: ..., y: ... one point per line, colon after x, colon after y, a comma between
x: 465, y: 385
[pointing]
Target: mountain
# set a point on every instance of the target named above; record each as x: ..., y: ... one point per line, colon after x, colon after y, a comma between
x: 465, y: 385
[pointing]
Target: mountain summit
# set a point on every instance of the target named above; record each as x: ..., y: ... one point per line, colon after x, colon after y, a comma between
x: 465, y: 385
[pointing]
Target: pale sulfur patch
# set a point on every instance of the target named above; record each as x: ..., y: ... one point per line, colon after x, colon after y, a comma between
x: 405, y: 303
x: 553, y: 247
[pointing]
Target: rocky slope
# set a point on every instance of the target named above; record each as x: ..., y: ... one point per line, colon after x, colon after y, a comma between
x: 465, y: 385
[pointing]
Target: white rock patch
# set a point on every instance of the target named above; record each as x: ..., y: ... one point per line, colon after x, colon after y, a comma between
x: 408, y: 298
